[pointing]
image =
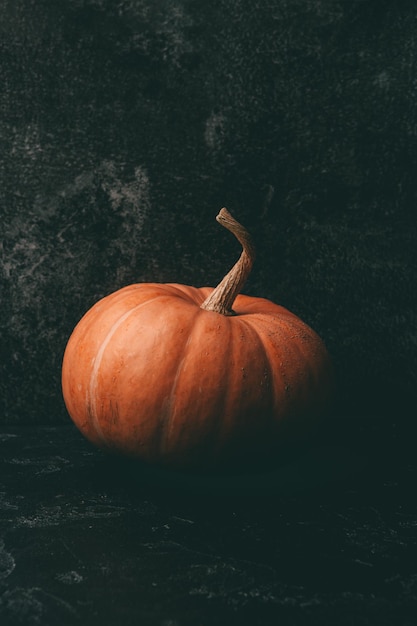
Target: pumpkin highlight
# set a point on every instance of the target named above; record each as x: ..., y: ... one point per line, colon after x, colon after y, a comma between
x: 187, y: 377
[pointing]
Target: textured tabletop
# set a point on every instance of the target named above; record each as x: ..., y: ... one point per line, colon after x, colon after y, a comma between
x: 85, y: 539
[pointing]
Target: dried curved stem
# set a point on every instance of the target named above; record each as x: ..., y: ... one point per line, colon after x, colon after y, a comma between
x: 222, y: 297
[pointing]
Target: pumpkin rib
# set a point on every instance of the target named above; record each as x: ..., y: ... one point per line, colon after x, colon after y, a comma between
x: 93, y: 383
x: 105, y: 306
x: 142, y: 290
x: 316, y: 366
x: 248, y: 305
x: 204, y: 292
x: 195, y: 377
x: 225, y: 357
x: 175, y: 290
x: 169, y: 413
x: 265, y: 341
x: 281, y: 352
x: 306, y: 361
x: 231, y: 388
x: 151, y: 342
x: 309, y: 347
x: 226, y: 417
x: 189, y: 292
x: 244, y: 404
x: 269, y: 373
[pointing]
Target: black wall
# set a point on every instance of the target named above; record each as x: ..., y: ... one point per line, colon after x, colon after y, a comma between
x: 125, y: 125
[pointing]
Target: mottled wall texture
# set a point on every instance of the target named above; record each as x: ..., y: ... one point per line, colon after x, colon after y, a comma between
x: 125, y: 125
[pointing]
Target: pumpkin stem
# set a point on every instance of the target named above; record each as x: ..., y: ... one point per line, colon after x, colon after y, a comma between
x: 222, y: 297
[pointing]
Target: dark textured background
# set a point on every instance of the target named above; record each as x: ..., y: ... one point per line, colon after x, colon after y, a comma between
x: 125, y: 125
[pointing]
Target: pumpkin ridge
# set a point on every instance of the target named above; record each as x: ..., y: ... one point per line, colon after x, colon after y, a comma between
x: 93, y: 383
x: 168, y: 418
x: 235, y: 384
x: 247, y: 319
x: 206, y: 419
x: 222, y: 399
x: 263, y: 328
x: 312, y: 350
x: 113, y: 300
x: 187, y: 292
x: 302, y: 345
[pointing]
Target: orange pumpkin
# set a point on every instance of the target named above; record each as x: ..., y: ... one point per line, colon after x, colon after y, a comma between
x: 174, y: 376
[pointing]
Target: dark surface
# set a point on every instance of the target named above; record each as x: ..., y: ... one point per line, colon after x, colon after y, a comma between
x: 86, y: 540
x: 126, y: 124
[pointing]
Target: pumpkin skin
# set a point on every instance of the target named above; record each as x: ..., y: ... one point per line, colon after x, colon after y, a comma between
x: 150, y: 374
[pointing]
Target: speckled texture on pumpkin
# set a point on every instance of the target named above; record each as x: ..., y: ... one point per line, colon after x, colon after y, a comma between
x: 125, y: 126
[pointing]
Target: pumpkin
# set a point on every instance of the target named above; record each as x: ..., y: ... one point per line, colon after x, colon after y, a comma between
x: 195, y: 378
